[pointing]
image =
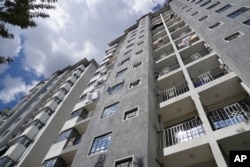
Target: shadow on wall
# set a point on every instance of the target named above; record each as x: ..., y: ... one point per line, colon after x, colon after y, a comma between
x: 139, y: 162
x: 101, y: 160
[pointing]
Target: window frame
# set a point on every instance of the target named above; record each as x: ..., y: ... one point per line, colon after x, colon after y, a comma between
x: 134, y: 82
x: 136, y: 109
x: 98, y: 138
x: 107, y: 111
x: 121, y: 72
x: 224, y: 8
x: 238, y: 12
x: 124, y: 160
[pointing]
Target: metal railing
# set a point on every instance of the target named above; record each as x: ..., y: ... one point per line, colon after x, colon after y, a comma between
x: 185, y: 131
x: 209, y: 76
x: 166, y: 54
x: 168, y: 69
x: 230, y: 115
x: 172, y: 92
x: 182, y: 34
x: 196, y: 56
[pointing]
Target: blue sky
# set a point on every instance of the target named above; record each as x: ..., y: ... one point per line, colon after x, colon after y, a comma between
x: 76, y: 29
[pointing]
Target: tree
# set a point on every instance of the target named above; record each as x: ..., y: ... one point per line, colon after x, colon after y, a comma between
x: 21, y: 13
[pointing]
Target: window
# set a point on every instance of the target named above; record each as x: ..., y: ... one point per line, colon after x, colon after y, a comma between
x: 91, y: 83
x: 37, y: 123
x: 129, y: 46
x: 141, y: 32
x: 80, y: 112
x: 198, y: 2
x: 141, y: 36
x: 110, y: 110
x: 224, y: 8
x: 188, y: 9
x: 247, y: 22
x: 137, y: 64
x: 121, y: 72
x: 205, y: 3
x: 115, y: 88
x: 137, y: 82
x: 203, y: 18
x: 214, y: 25
x: 130, y: 40
x: 57, y: 100
x: 138, y: 52
x: 238, y: 12
x: 69, y: 134
x: 54, y: 162
x: 48, y: 111
x: 124, y: 162
x: 195, y: 13
x: 24, y: 140
x: 100, y: 144
x: 64, y: 91
x: 141, y: 42
x: 131, y: 113
x: 6, y: 162
x: 128, y: 53
x: 123, y: 62
x: 214, y: 5
x: 232, y: 37
x: 70, y: 83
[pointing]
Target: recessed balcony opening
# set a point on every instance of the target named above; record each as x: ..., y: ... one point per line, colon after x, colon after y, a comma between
x: 239, y: 142
x: 166, y: 66
x: 162, y: 33
x: 193, y: 157
x: 160, y: 42
x: 163, y: 52
x: 226, y: 104
x: 177, y: 26
x: 181, y: 32
x: 173, y: 21
x: 180, y: 122
x: 207, y: 70
x: 158, y: 27
x: 171, y: 87
x: 195, y: 52
x: 187, y: 40
x: 170, y: 17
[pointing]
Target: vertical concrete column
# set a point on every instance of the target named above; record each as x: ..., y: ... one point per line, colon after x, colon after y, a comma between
x: 217, y: 154
x: 202, y: 114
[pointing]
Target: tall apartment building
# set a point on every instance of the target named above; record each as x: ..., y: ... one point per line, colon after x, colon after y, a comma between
x: 173, y: 90
x: 30, y: 128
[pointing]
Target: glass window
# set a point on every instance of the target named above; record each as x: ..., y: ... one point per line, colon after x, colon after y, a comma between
x: 81, y: 113
x: 137, y: 82
x: 203, y: 18
x: 141, y: 36
x: 123, y: 62
x: 131, y: 113
x: 214, y: 5
x: 214, y: 25
x: 205, y: 3
x: 247, y: 22
x: 198, y: 2
x: 129, y: 46
x: 138, y: 52
x: 137, y: 64
x: 232, y: 37
x: 238, y: 12
x: 100, y: 144
x: 121, y: 72
x: 224, y: 8
x: 54, y: 162
x: 128, y: 53
x: 116, y: 88
x: 195, y: 13
x: 110, y: 110
x: 24, y: 140
x: 124, y: 162
x: 6, y: 162
x: 64, y: 135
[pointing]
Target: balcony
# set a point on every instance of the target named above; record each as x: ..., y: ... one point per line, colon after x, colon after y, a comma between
x: 173, y: 21
x: 182, y: 132
x: 181, y: 32
x: 159, y: 27
x: 195, y: 52
x: 159, y: 35
x: 176, y: 26
x: 6, y: 162
x: 160, y: 42
x: 172, y: 92
x: 209, y: 76
x: 163, y: 52
x: 229, y: 115
x: 166, y: 66
x: 186, y: 40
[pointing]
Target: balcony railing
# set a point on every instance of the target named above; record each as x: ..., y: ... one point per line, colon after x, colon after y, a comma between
x: 196, y: 56
x: 182, y: 132
x: 166, y: 54
x: 6, y: 162
x: 73, y: 141
x: 230, y: 115
x: 172, y: 92
x: 167, y: 70
x: 182, y: 34
x: 209, y: 76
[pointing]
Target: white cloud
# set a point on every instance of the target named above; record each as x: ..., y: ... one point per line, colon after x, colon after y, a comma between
x: 3, y: 68
x: 14, y: 87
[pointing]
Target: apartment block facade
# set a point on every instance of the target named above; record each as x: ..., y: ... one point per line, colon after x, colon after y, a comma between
x: 173, y: 90
x: 33, y: 124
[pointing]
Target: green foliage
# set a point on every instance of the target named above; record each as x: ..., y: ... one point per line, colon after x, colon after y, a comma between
x: 21, y: 13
